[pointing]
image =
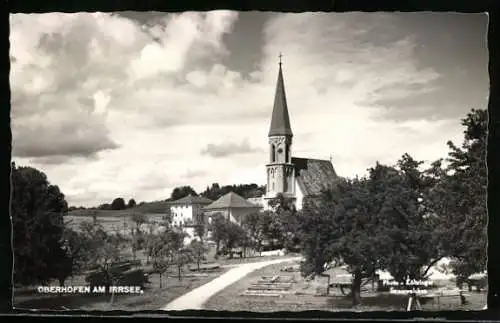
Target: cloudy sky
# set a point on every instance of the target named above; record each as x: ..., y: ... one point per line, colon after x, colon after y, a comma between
x: 135, y: 104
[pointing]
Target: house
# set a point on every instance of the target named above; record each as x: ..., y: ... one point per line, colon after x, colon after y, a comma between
x: 188, y: 210
x: 232, y: 206
x: 298, y: 179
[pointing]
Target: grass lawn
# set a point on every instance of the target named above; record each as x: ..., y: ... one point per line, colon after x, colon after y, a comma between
x: 229, y: 299
x: 153, y: 298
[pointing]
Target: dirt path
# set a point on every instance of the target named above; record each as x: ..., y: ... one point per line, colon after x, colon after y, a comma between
x: 195, y: 299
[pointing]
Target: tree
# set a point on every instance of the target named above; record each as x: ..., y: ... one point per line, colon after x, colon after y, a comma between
x: 37, y: 209
x: 235, y: 237
x: 410, y: 233
x: 131, y: 203
x: 162, y: 252
x: 219, y: 230
x: 199, y: 230
x: 285, y: 221
x: 183, y: 191
x: 118, y: 204
x: 74, y: 256
x: 252, y: 225
x: 343, y: 228
x: 198, y: 251
x: 137, y: 235
x: 180, y: 255
x: 103, y: 250
x: 459, y: 198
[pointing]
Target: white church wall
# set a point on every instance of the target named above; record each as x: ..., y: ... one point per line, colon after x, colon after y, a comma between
x: 299, y: 197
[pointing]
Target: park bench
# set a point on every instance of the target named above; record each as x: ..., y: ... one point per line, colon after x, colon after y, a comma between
x: 414, y: 298
x: 478, y: 281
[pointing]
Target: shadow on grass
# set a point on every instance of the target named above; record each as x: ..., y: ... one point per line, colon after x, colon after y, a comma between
x: 61, y: 302
x: 382, y: 302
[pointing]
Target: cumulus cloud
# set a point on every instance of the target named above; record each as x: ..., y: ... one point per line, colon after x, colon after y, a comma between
x: 133, y: 108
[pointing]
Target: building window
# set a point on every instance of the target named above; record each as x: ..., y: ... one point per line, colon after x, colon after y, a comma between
x: 273, y: 153
x: 287, y: 153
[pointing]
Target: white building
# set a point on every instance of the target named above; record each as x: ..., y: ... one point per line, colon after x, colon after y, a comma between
x: 188, y: 210
x: 232, y: 206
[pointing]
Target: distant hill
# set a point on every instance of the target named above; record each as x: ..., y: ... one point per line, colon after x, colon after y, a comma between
x: 213, y: 192
x: 145, y: 208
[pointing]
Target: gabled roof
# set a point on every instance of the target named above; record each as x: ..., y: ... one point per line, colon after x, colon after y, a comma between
x: 280, y: 120
x: 231, y: 200
x: 314, y: 175
x: 190, y: 199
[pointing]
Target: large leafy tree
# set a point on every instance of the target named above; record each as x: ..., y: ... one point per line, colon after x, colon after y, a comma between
x: 372, y: 223
x: 118, y: 204
x: 459, y: 198
x: 343, y: 228
x: 37, y: 209
x: 183, y: 191
x: 405, y: 223
x: 131, y: 203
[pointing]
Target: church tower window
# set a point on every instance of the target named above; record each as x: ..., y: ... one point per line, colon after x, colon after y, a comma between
x: 273, y: 153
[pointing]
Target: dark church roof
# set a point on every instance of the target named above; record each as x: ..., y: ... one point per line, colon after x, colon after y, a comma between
x: 314, y: 175
x: 191, y: 199
x: 230, y: 200
x: 280, y: 121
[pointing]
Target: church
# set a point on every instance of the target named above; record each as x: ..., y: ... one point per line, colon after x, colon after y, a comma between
x: 296, y: 178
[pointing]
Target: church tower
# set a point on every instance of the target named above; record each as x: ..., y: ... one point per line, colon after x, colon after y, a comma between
x: 280, y: 170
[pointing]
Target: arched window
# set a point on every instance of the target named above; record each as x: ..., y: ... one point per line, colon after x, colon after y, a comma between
x: 287, y: 153
x: 273, y: 153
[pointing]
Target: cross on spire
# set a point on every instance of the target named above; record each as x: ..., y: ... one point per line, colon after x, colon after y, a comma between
x: 280, y: 55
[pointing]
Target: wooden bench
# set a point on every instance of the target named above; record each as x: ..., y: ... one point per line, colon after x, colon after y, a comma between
x: 414, y: 298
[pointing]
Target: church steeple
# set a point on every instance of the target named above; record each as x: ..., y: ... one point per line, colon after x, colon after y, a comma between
x: 280, y: 121
x: 280, y: 170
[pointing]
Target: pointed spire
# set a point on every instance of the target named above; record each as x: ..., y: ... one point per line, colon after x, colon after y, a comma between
x: 280, y: 121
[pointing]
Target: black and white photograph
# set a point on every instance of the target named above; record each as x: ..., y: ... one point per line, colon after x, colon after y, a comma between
x: 249, y: 161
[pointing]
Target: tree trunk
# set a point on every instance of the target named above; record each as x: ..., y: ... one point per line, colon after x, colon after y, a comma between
x: 160, y: 280
x: 198, y: 263
x: 356, y: 288
x: 112, y: 299
x: 179, y: 272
